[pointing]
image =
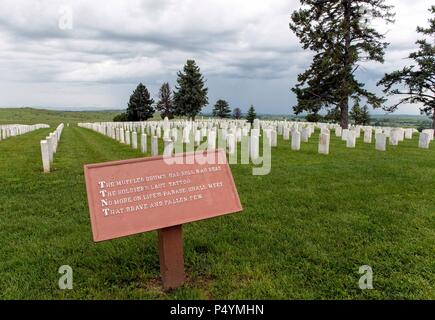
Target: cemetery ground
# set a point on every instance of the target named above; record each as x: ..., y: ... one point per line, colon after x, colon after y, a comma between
x: 305, y: 230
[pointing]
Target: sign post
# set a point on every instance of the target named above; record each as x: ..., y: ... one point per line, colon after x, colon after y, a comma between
x: 171, y: 257
x: 145, y: 194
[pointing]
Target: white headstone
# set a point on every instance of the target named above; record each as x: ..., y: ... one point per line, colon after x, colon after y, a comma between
x: 274, y: 138
x: 50, y: 147
x: 169, y: 148
x: 255, y: 147
x: 408, y: 133
x: 211, y: 140
x: 231, y: 143
x: 324, y: 143
x: 430, y: 132
x: 338, y: 131
x: 143, y: 143
x: 351, y: 139
x: 121, y: 135
x: 45, y: 156
x: 381, y: 141
x: 424, y: 140
x: 186, y: 135
x: 197, y: 137
x: 286, y: 133
x: 127, y: 137
x: 134, y: 140
x: 344, y: 134
x: 394, y: 137
x: 305, y: 134
x: 368, y: 135
x: 296, y: 140
x: 154, y: 146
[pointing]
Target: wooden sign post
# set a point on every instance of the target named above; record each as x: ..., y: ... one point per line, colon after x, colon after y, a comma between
x: 171, y: 256
x: 139, y: 195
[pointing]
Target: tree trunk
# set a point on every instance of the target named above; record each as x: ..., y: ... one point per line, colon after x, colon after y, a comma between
x: 433, y: 120
x: 344, y: 103
x: 344, y: 113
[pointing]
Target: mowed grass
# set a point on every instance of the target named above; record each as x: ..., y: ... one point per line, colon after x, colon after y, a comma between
x: 305, y: 230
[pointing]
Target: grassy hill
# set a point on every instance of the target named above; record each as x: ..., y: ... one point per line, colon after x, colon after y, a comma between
x: 305, y: 230
x: 51, y: 117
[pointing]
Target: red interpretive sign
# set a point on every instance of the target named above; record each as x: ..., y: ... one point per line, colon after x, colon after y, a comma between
x: 160, y: 193
x: 139, y: 195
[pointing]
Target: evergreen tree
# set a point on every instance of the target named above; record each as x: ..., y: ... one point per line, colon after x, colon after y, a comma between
x: 360, y: 115
x: 165, y: 104
x: 313, y: 117
x: 417, y: 82
x: 140, y: 104
x: 339, y: 34
x: 221, y: 109
x: 120, y: 117
x: 237, y: 113
x: 333, y: 115
x: 251, y: 115
x: 191, y: 94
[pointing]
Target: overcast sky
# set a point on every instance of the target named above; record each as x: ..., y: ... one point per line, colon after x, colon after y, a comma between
x: 244, y: 49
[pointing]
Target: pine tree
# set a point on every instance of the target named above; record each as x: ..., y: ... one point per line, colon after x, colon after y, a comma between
x: 191, y: 94
x: 237, y: 113
x: 360, y: 116
x: 333, y: 115
x: 221, y: 109
x: 140, y: 104
x: 165, y: 105
x: 365, y: 116
x: 120, y: 117
x: 417, y: 81
x: 313, y: 117
x: 251, y: 115
x: 339, y: 34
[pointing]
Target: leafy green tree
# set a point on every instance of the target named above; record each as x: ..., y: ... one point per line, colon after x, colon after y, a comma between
x: 165, y: 105
x: 140, y: 104
x: 120, y: 117
x: 237, y: 113
x: 333, y: 115
x: 251, y: 115
x: 340, y: 35
x: 191, y: 94
x: 221, y: 109
x: 416, y: 83
x: 360, y: 115
x: 313, y: 117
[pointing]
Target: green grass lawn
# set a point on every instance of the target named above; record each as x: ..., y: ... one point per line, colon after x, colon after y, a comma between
x: 305, y: 230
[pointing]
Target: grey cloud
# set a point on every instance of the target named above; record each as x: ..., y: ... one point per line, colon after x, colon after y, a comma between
x: 245, y: 49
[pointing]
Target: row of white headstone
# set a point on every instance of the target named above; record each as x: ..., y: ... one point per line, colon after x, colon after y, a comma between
x: 12, y: 130
x: 228, y: 134
x: 188, y: 134
x: 49, y: 147
x: 124, y: 136
x: 350, y: 135
x: 232, y: 132
x: 303, y: 131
